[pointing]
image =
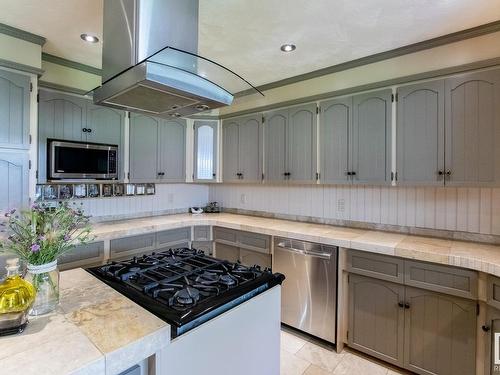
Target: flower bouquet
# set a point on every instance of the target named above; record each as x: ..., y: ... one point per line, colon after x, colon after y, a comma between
x: 39, y: 236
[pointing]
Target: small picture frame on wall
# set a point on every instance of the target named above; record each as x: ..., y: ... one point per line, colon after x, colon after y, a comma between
x: 140, y: 189
x: 118, y: 190
x: 107, y: 190
x: 65, y: 191
x: 150, y: 189
x: 80, y: 191
x: 49, y: 192
x: 93, y: 190
x: 129, y: 189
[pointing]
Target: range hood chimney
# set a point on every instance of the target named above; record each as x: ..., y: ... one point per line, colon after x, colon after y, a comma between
x: 151, y: 65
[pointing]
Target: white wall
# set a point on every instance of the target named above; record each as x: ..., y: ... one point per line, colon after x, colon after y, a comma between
x: 475, y: 210
x: 167, y: 197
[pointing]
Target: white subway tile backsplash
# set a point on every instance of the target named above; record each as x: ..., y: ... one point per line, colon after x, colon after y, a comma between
x: 475, y: 210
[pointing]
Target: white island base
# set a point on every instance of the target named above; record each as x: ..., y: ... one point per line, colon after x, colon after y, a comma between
x: 244, y: 340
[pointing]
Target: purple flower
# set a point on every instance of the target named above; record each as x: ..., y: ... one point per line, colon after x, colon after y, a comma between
x: 35, y: 248
x: 42, y: 238
x: 67, y: 237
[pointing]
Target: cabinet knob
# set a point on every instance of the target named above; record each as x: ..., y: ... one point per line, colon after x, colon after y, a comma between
x: 485, y: 328
x: 448, y: 173
x: 353, y: 173
x: 407, y: 305
x: 440, y: 173
x: 401, y: 304
x: 89, y: 130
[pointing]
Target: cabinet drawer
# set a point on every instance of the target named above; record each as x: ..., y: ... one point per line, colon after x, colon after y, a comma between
x: 374, y: 265
x: 82, y: 255
x: 493, y: 298
x: 226, y: 235
x: 132, y: 245
x: 173, y: 236
x: 227, y: 252
x: 254, y: 241
x: 252, y: 258
x: 444, y: 279
x: 202, y: 233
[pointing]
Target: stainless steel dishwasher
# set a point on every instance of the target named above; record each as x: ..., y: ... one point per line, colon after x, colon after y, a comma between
x: 309, y: 292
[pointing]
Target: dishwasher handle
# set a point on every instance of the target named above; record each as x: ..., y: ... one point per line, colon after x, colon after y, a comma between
x: 289, y: 246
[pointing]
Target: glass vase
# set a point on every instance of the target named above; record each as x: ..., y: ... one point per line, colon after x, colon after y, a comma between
x: 45, y: 279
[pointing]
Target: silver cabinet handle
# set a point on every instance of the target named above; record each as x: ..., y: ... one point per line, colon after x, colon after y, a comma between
x: 283, y: 246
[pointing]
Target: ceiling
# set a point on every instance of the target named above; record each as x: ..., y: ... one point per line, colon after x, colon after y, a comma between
x: 246, y: 35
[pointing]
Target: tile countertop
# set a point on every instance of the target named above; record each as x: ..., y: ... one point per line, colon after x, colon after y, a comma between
x: 472, y: 255
x: 95, y: 330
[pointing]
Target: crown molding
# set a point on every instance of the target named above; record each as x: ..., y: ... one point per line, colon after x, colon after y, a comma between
x: 58, y: 87
x: 21, y: 67
x: 71, y: 64
x: 21, y: 34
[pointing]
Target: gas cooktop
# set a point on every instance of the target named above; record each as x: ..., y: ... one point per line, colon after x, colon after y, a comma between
x: 185, y: 287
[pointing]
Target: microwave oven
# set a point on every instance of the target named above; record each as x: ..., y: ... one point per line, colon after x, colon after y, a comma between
x: 79, y: 161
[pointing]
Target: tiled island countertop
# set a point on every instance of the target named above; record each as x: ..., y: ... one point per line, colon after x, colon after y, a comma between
x: 95, y: 331
x: 476, y: 256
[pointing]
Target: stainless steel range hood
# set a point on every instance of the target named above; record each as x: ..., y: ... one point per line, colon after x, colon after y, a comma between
x: 150, y: 61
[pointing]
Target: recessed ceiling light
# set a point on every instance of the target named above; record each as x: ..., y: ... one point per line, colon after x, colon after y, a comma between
x: 288, y: 47
x: 89, y: 38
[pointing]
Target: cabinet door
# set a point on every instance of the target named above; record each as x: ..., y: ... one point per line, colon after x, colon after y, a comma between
x: 301, y: 140
x: 230, y: 168
x: 227, y: 252
x: 335, y: 122
x: 250, y: 148
x: 143, y: 148
x: 440, y: 333
x: 205, y: 150
x: 275, y: 128
x: 490, y: 328
x: 472, y: 151
x: 371, y: 138
x: 14, y: 181
x: 14, y: 110
x: 172, y: 150
x: 251, y: 258
x: 106, y: 126
x: 60, y: 116
x: 420, y: 133
x: 376, y: 319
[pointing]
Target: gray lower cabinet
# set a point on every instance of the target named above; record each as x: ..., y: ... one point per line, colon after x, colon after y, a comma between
x: 242, y: 149
x: 491, y: 327
x: 440, y: 333
x: 227, y: 252
x: 82, y: 256
x: 14, y: 110
x: 290, y: 144
x: 336, y: 122
x: 205, y: 246
x: 420, y: 134
x: 157, y: 149
x: 371, y: 139
x: 252, y: 258
x: 472, y: 146
x: 376, y: 321
x: 14, y: 169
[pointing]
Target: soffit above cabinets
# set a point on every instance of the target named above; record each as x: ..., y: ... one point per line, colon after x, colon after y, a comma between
x: 246, y: 35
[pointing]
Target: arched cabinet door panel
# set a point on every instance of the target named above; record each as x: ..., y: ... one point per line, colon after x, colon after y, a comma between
x: 371, y: 138
x: 335, y: 120
x: 275, y: 130
x: 250, y: 148
x: 14, y: 181
x: 230, y: 150
x: 472, y: 149
x: 14, y: 110
x: 143, y: 147
x: 172, y: 150
x: 420, y: 133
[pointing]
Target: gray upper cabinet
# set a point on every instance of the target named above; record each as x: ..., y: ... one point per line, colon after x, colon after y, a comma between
x: 472, y: 150
x: 420, y: 134
x: 376, y: 319
x: 143, y: 147
x: 275, y: 128
x: 14, y: 181
x: 440, y: 334
x: 205, y: 150
x: 371, y: 138
x: 14, y: 110
x: 335, y: 123
x: 60, y: 116
x: 302, y: 141
x: 105, y: 125
x: 157, y: 149
x: 290, y: 144
x: 230, y: 150
x: 172, y: 150
x: 242, y: 149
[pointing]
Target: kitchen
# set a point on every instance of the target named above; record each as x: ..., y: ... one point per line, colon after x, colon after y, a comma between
x: 309, y: 190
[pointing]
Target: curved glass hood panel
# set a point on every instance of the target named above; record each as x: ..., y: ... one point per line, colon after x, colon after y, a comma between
x: 204, y: 68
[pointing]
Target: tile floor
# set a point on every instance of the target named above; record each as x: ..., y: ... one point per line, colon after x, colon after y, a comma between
x: 301, y: 355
